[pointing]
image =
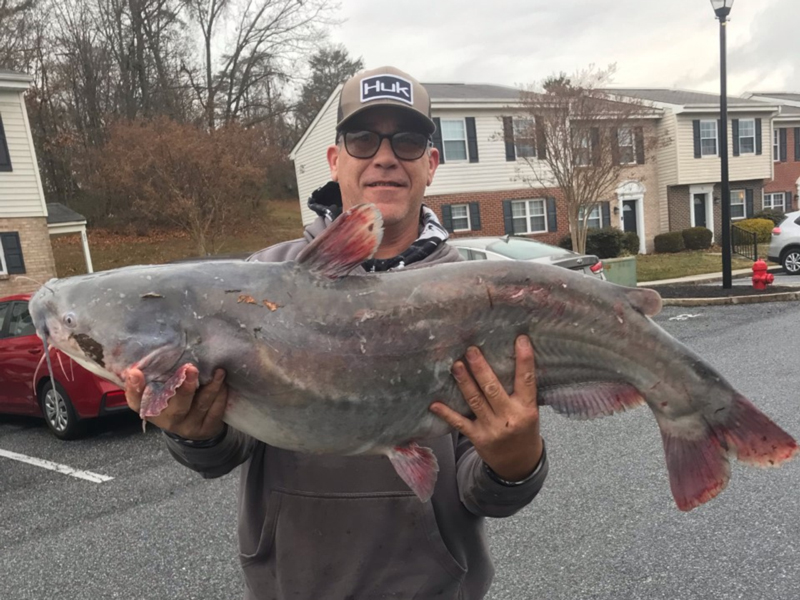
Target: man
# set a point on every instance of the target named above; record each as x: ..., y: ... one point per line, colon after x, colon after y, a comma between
x: 314, y: 527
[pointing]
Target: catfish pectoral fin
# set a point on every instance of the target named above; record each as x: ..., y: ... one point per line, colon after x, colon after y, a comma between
x: 417, y: 466
x: 157, y: 394
x: 591, y: 399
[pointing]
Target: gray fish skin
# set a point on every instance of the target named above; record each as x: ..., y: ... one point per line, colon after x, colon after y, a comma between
x: 350, y: 365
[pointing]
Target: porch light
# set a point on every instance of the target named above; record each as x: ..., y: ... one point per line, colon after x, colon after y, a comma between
x: 722, y: 7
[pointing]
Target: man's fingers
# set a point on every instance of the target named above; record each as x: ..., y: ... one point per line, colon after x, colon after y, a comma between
x: 134, y: 387
x: 208, y: 393
x: 455, y: 420
x: 214, y: 415
x: 525, y: 373
x: 484, y: 375
x: 471, y: 392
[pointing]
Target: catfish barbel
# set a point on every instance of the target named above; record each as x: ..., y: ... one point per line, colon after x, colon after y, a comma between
x: 320, y: 362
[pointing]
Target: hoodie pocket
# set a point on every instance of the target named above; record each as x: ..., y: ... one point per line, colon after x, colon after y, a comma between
x: 383, y: 545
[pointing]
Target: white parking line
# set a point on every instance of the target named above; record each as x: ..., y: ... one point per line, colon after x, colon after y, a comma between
x: 63, y: 469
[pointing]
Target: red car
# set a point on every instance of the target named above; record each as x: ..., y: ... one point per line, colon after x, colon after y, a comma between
x: 25, y: 386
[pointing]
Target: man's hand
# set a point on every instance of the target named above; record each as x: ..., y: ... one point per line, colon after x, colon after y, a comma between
x: 505, y: 432
x: 191, y: 413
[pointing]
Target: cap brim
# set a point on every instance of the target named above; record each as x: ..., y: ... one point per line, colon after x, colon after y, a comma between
x: 428, y: 126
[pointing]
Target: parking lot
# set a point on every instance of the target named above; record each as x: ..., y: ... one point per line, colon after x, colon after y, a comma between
x: 605, y: 526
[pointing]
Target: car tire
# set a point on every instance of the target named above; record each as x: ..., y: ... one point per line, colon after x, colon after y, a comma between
x: 59, y: 414
x: 790, y: 261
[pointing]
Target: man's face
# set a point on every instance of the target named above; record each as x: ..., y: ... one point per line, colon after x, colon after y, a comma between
x: 395, y: 186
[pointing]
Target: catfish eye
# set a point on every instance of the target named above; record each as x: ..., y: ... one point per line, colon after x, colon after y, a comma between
x: 70, y: 320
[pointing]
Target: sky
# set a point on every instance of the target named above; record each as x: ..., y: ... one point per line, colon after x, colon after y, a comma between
x: 654, y: 43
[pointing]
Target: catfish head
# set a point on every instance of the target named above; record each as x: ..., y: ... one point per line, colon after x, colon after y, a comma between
x: 94, y: 321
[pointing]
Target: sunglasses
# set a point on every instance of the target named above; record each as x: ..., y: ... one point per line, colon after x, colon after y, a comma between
x: 406, y: 145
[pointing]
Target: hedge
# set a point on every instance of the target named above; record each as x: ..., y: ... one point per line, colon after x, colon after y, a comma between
x: 630, y: 242
x: 776, y: 216
x: 697, y: 238
x: 606, y: 242
x: 669, y: 242
x: 761, y: 227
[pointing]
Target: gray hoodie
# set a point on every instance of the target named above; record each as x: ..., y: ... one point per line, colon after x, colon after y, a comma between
x: 332, y: 527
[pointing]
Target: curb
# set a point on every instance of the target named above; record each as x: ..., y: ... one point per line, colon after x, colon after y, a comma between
x: 780, y: 297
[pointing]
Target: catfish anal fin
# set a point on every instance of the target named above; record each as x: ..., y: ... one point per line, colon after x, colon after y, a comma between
x: 417, y: 466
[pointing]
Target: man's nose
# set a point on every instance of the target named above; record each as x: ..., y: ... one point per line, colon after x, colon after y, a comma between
x: 385, y: 155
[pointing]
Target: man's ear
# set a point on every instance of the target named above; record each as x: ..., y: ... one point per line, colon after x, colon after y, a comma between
x: 433, y: 163
x: 333, y: 162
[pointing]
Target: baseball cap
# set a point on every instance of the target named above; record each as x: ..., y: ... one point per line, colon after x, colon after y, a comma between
x: 384, y: 86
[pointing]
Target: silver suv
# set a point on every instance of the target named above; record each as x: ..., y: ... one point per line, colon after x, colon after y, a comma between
x: 784, y: 247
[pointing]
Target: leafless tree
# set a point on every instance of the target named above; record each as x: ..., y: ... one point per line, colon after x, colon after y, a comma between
x: 573, y: 134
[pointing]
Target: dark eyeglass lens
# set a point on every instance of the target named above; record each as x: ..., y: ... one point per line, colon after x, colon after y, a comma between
x: 365, y: 144
x: 409, y: 145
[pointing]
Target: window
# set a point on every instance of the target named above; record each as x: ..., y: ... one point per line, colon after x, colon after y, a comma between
x: 747, y: 136
x: 583, y: 149
x: 627, y: 147
x: 776, y: 145
x: 454, y: 139
x: 529, y: 216
x: 525, y: 138
x: 775, y: 201
x: 595, y: 220
x: 3, y: 313
x: 737, y: 204
x: 708, y: 138
x: 5, y: 156
x: 460, y: 216
x: 21, y: 321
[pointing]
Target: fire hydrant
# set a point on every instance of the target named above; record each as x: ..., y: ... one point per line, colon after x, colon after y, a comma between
x: 761, y: 279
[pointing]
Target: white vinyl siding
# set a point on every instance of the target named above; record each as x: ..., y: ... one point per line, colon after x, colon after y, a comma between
x: 747, y: 136
x: 454, y: 139
x: 737, y: 204
x: 709, y: 143
x: 700, y: 171
x: 529, y: 216
x: 20, y: 191
x: 460, y: 216
x: 775, y: 201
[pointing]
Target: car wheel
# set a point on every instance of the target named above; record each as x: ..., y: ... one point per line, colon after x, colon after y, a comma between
x: 791, y: 261
x: 58, y: 412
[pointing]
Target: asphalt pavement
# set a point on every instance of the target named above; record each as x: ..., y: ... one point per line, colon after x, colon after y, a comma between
x: 604, y: 527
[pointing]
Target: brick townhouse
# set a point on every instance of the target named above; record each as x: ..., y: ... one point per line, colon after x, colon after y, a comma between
x: 480, y: 186
x: 782, y: 191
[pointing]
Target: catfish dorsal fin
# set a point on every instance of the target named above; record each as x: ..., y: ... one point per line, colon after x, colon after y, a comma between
x: 350, y: 240
x: 645, y: 300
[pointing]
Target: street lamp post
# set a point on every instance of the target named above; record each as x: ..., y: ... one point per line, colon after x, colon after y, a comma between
x: 722, y: 8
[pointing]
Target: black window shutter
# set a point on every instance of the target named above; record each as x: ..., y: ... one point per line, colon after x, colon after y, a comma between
x: 437, y: 139
x: 472, y: 140
x: 615, y: 156
x: 12, y: 249
x: 508, y: 220
x: 735, y: 135
x: 758, y: 137
x: 638, y: 133
x: 696, y: 127
x: 783, y: 144
x: 748, y: 203
x: 508, y: 136
x: 541, y: 141
x: 447, y: 217
x: 797, y: 143
x: 475, y: 216
x: 606, y: 210
x: 595, y: 140
x: 5, y: 157
x: 552, y: 216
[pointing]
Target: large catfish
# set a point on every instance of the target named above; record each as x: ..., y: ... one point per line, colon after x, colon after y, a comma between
x: 319, y: 362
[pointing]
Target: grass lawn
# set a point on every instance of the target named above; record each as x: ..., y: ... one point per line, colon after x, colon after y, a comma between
x: 279, y: 221
x: 652, y: 267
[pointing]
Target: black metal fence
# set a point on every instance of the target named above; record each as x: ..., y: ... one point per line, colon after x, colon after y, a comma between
x: 744, y: 243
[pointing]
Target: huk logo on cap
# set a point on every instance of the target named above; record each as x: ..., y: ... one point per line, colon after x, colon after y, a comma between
x: 386, y: 86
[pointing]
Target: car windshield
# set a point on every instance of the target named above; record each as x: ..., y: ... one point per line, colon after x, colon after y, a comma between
x: 522, y: 249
